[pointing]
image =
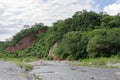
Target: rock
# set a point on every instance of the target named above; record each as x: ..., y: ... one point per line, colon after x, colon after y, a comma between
x: 118, y: 75
x: 109, y: 64
x: 92, y: 77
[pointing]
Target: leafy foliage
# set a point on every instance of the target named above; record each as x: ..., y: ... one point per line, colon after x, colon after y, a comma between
x: 85, y: 34
x: 105, y: 44
x: 72, y: 46
x: 24, y: 32
x: 1, y: 46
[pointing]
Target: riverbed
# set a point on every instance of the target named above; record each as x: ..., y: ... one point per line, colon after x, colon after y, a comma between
x: 60, y: 70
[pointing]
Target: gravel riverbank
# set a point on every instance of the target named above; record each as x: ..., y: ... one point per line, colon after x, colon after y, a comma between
x: 56, y: 70
x: 60, y: 70
x: 10, y: 71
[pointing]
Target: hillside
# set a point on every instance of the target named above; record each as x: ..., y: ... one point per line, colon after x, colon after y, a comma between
x: 85, y: 34
x: 25, y: 37
x: 1, y: 45
x: 23, y: 43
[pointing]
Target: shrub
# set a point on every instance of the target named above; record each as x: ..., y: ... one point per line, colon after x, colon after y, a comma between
x: 105, y: 45
x: 73, y: 46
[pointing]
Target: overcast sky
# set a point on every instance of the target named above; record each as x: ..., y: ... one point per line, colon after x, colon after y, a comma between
x: 16, y: 13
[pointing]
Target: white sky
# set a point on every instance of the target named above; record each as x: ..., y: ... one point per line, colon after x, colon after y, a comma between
x: 16, y: 13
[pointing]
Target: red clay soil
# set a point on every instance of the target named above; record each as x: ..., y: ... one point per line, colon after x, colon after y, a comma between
x: 42, y: 30
x: 24, y: 43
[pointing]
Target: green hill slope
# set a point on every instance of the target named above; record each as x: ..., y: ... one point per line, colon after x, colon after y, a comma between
x: 85, y: 34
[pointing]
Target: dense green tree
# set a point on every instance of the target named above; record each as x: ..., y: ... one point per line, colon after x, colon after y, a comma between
x: 73, y: 46
x: 84, y: 20
x: 105, y: 44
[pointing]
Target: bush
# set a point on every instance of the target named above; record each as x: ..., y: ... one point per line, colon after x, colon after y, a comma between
x: 73, y: 46
x: 105, y: 45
